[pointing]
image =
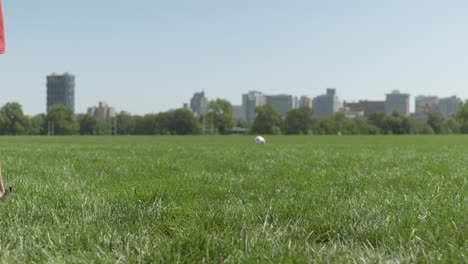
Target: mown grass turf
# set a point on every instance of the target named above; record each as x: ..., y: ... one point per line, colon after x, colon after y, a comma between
x: 318, y: 199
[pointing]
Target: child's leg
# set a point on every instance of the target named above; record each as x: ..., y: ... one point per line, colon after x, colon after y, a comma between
x: 2, y: 187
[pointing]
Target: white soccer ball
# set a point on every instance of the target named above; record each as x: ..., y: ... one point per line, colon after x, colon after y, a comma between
x: 259, y: 140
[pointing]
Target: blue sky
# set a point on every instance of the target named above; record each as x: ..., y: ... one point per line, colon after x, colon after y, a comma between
x: 148, y: 56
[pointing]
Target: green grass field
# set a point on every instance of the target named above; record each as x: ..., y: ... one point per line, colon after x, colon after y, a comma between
x: 316, y: 199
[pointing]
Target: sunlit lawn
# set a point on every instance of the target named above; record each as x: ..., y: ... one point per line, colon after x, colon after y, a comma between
x: 340, y: 199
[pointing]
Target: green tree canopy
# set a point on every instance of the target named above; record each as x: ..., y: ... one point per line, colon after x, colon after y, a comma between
x: 13, y: 121
x: 436, y: 121
x: 220, y: 111
x: 184, y: 122
x: 462, y: 117
x: 125, y: 124
x: 398, y: 123
x: 38, y: 125
x: 323, y: 125
x: 89, y: 125
x: 452, y: 125
x: 267, y: 121
x: 174, y: 122
x: 62, y: 120
x: 140, y: 128
x: 164, y: 123
x: 344, y: 125
x: 363, y: 126
x: 298, y: 121
x: 148, y: 124
x: 379, y: 120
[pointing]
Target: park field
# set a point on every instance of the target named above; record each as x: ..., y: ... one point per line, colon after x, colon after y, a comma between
x: 202, y: 199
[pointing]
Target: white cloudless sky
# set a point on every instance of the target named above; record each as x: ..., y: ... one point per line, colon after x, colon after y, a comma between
x: 147, y: 56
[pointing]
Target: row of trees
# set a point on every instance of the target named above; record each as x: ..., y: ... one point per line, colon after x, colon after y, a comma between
x: 219, y: 120
x: 61, y: 121
x: 14, y: 122
x: 299, y: 121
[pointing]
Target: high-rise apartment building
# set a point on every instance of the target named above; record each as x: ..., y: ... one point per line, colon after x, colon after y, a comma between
x: 397, y: 101
x: 199, y: 104
x: 304, y: 101
x: 102, y: 112
x: 449, y: 106
x: 61, y: 90
x: 282, y: 102
x: 327, y: 104
x: 423, y: 105
x: 238, y: 112
x: 250, y: 101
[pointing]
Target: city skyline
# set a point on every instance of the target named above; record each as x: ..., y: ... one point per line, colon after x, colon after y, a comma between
x: 60, y: 89
x: 132, y: 53
x: 186, y: 99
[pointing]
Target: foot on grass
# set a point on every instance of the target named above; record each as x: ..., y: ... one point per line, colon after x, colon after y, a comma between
x: 7, y: 192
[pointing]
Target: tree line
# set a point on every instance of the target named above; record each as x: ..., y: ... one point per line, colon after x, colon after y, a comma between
x: 61, y: 121
x: 299, y: 121
x: 219, y: 119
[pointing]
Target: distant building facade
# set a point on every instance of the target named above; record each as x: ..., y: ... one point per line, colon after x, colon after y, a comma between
x: 351, y: 113
x: 366, y: 107
x: 250, y: 101
x: 282, y: 102
x: 426, y: 104
x: 449, y: 106
x: 327, y: 104
x: 304, y: 101
x: 238, y: 112
x: 61, y: 90
x: 199, y: 104
x: 397, y: 101
x: 423, y: 105
x: 102, y: 112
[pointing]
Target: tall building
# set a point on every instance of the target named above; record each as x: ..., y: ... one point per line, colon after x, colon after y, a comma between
x: 449, y: 106
x: 367, y: 107
x: 102, y: 112
x: 238, y: 112
x: 250, y: 101
x: 199, y: 103
x: 397, y: 101
x: 327, y: 104
x: 424, y: 105
x: 61, y: 90
x: 282, y: 102
x: 304, y: 101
